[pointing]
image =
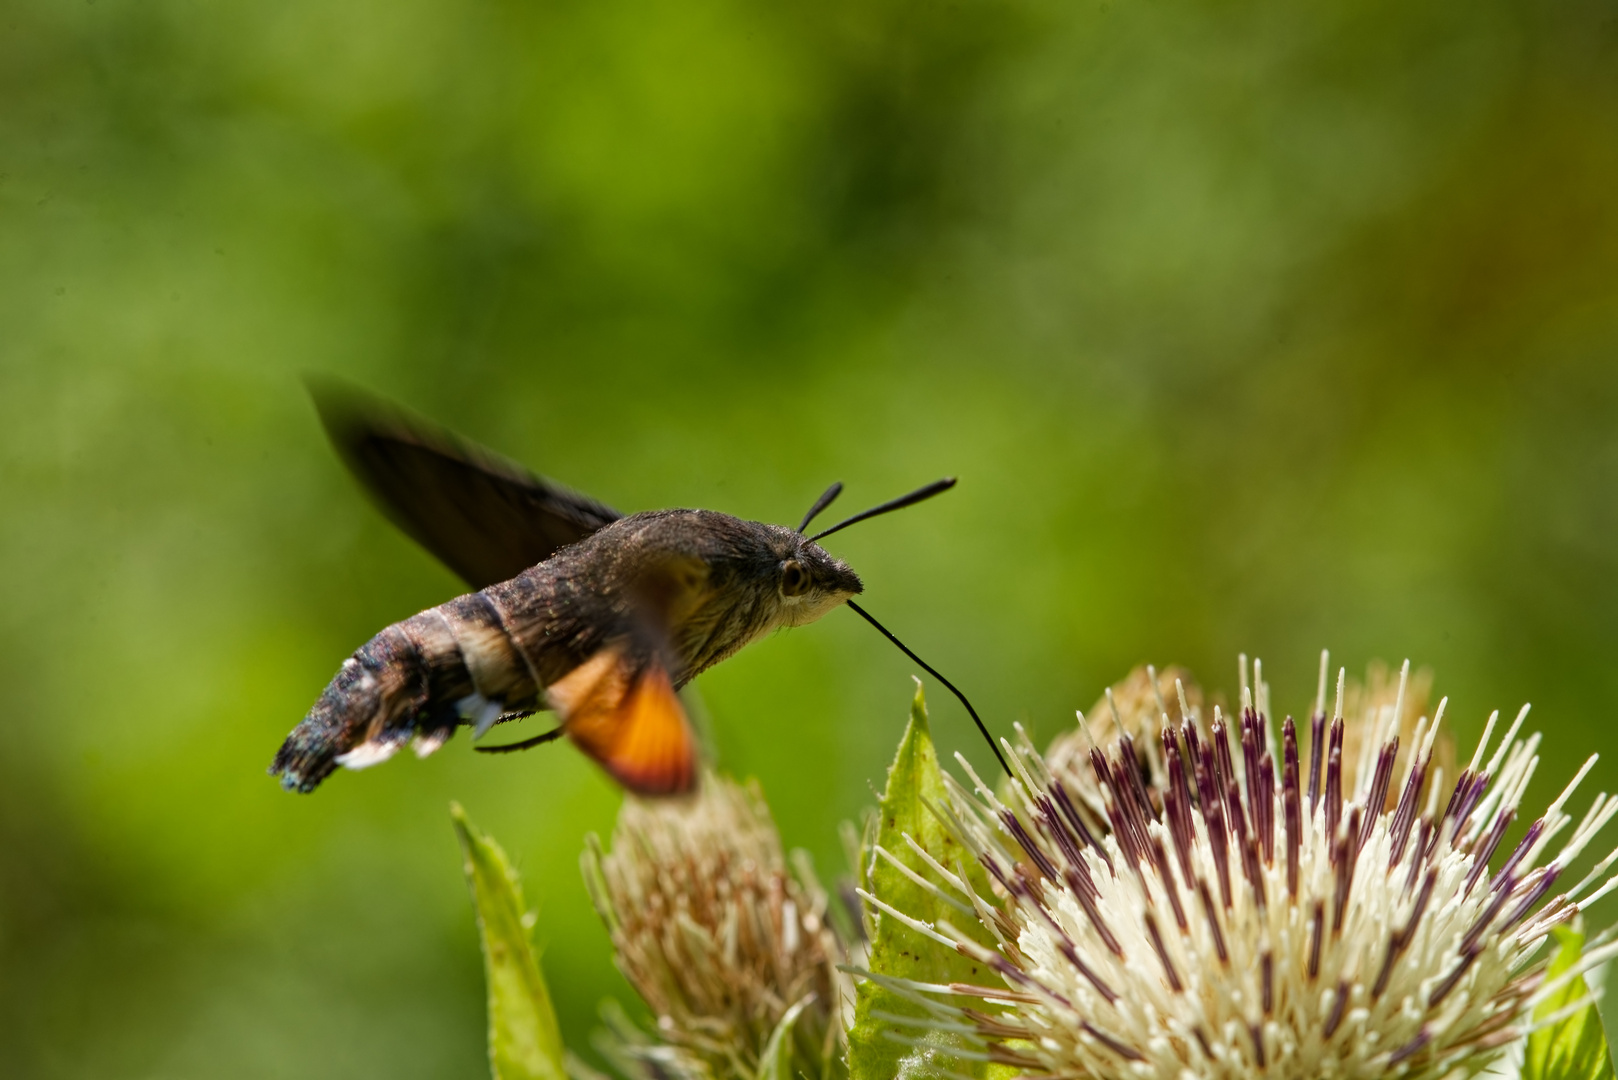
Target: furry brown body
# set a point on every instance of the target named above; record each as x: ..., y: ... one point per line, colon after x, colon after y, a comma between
x: 671, y: 592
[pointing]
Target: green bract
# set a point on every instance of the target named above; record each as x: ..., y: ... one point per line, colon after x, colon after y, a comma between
x: 894, y: 1034
x: 1573, y: 1048
x: 524, y: 1040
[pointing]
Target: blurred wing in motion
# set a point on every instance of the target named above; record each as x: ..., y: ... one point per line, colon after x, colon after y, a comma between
x: 486, y: 518
x: 625, y: 714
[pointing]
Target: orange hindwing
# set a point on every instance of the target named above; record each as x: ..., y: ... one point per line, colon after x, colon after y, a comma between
x: 628, y: 718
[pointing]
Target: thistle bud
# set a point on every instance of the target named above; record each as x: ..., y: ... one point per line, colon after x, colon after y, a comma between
x: 726, y: 947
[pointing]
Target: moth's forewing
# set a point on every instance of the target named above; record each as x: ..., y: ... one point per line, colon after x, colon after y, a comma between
x: 486, y: 518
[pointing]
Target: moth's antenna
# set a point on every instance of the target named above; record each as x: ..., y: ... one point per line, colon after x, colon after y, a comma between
x: 934, y: 488
x: 821, y: 504
x: 866, y: 615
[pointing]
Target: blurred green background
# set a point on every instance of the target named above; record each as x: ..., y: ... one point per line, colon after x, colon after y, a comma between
x: 1263, y: 327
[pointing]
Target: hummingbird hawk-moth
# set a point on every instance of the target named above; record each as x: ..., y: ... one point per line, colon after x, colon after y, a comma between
x: 595, y: 616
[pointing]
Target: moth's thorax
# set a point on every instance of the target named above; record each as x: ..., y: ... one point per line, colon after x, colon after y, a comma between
x: 715, y: 581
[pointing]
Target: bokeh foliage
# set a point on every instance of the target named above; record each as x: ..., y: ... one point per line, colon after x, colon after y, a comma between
x: 1266, y: 327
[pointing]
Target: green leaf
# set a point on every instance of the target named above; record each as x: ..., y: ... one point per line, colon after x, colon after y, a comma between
x: 914, y: 780
x: 1575, y: 1047
x: 524, y: 1040
x: 776, y: 1063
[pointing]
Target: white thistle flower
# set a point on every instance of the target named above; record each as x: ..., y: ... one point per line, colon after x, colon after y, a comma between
x: 1250, y: 912
x: 716, y: 936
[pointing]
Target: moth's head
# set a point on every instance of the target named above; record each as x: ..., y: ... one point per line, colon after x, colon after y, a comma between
x: 717, y: 582
x: 810, y: 581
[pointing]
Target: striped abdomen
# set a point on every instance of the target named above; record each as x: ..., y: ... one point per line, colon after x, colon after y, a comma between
x: 460, y: 662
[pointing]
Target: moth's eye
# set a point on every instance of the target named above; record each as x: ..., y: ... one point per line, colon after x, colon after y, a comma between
x: 794, y: 578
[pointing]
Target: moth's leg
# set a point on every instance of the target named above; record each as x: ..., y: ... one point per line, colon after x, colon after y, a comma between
x: 525, y: 744
x: 480, y: 712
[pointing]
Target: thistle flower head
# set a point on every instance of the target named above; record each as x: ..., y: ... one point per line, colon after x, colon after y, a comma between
x: 1240, y: 902
x: 714, y: 933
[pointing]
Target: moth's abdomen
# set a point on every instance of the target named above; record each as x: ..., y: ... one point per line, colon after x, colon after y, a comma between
x: 416, y: 680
